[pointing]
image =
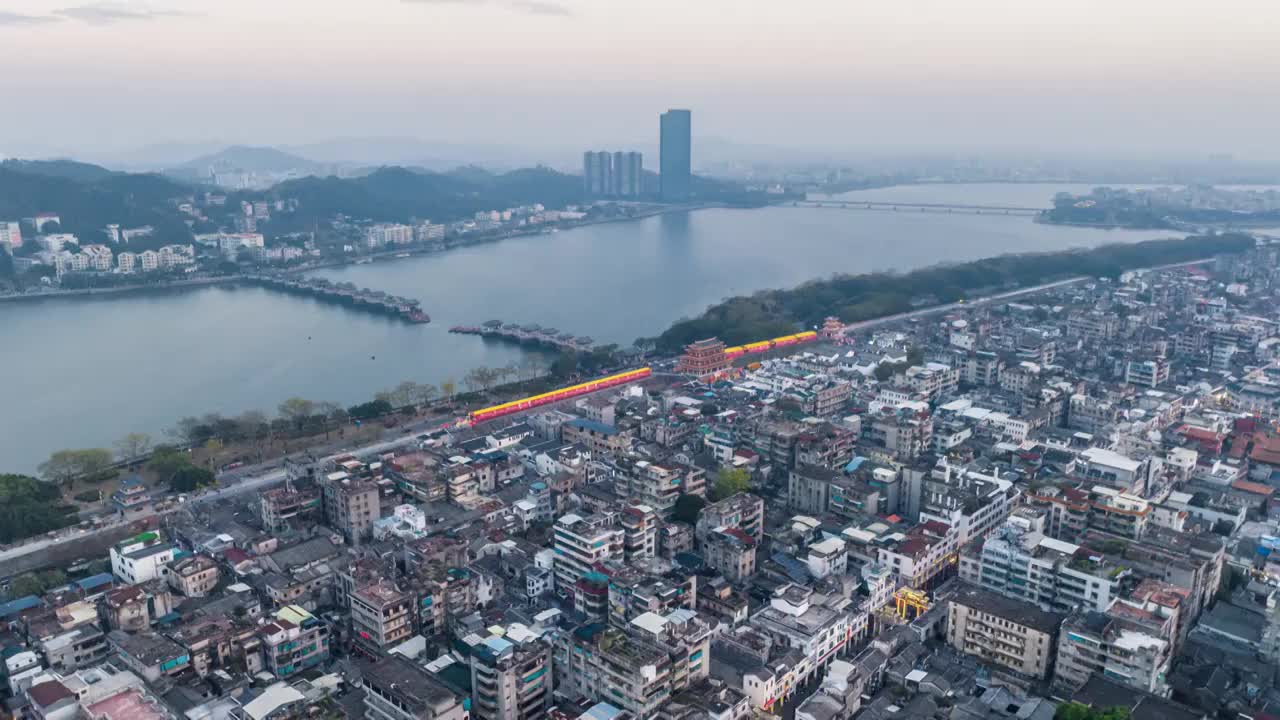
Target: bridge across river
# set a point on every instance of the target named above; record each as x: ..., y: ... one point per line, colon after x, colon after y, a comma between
x: 917, y: 207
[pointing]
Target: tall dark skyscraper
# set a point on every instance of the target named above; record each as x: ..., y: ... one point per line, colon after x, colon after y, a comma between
x: 676, y: 162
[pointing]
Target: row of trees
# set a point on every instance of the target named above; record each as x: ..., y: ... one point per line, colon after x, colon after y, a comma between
x: 863, y: 297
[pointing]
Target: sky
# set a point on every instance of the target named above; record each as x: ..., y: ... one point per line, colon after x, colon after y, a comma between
x: 1178, y: 77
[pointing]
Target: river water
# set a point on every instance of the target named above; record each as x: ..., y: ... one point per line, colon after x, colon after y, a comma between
x: 83, y: 373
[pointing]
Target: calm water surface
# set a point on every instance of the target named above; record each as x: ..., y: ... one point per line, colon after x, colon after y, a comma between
x: 83, y: 373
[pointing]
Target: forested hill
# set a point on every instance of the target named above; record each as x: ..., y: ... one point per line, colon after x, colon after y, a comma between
x: 90, y: 201
x: 69, y: 169
x: 398, y: 194
x: 861, y: 297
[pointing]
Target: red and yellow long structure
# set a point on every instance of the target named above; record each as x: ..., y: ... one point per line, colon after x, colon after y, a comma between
x: 622, y: 378
x: 766, y: 345
x: 555, y: 396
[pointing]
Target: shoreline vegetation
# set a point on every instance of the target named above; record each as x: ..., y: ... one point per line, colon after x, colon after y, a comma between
x: 855, y: 298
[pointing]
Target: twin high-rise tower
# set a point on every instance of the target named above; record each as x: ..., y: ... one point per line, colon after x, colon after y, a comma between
x: 615, y: 174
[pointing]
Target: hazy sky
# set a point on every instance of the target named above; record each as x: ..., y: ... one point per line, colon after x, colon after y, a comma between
x: 1181, y: 76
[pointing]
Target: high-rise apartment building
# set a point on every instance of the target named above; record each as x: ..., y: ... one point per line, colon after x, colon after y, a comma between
x: 676, y: 159
x: 616, y: 174
x: 597, y: 172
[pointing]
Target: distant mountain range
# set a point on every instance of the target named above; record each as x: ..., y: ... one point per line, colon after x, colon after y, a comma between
x: 243, y: 158
x: 89, y: 197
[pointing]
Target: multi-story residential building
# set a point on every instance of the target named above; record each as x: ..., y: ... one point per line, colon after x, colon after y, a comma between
x: 597, y: 173
x: 636, y: 668
x: 127, y: 262
x: 98, y: 257
x: 351, y: 505
x: 151, y: 656
x: 602, y: 440
x: 1070, y: 511
x: 800, y: 633
x: 173, y: 256
x: 931, y: 381
x: 10, y: 235
x: 628, y: 174
x: 1097, y: 643
x: 399, y: 689
x: 732, y: 553
x: 141, y: 558
x: 194, y: 576
x: 280, y: 506
x: 1009, y: 633
x: 384, y: 234
x: 1018, y: 561
x: 655, y: 484
x: 972, y: 503
x: 817, y: 490
x: 293, y: 641
x: 429, y: 232
x: 511, y: 676
x: 825, y: 445
x: 133, y: 608
x: 1108, y: 467
x: 381, y: 615
x: 743, y: 511
x: 903, y: 434
x: 581, y: 543
x: 634, y: 592
x: 639, y: 532
x: 1149, y: 373
x: 1093, y: 326
x: 149, y: 261
x: 982, y: 368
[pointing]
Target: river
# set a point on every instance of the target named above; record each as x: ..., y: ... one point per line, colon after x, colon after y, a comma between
x: 83, y: 372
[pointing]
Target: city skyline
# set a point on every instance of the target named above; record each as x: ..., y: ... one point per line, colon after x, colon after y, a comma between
x: 1144, y: 78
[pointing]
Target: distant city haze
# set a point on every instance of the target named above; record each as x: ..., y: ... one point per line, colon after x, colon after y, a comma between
x: 555, y: 77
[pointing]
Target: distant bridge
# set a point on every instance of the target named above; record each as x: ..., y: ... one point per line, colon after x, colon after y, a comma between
x: 917, y: 207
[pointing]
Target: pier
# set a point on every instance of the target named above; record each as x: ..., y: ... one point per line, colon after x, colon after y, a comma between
x: 406, y: 309
x: 529, y: 334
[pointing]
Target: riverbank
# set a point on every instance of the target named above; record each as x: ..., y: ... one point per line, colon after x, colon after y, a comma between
x: 123, y: 289
x: 399, y: 253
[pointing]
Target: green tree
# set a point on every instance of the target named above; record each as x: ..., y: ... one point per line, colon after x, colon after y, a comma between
x: 296, y: 410
x: 51, y: 579
x: 63, y: 466
x: 687, y: 508
x: 190, y: 478
x: 167, y: 460
x: 449, y: 388
x: 565, y: 365
x: 25, y: 585
x: 133, y: 446
x: 30, y: 507
x: 729, y: 482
